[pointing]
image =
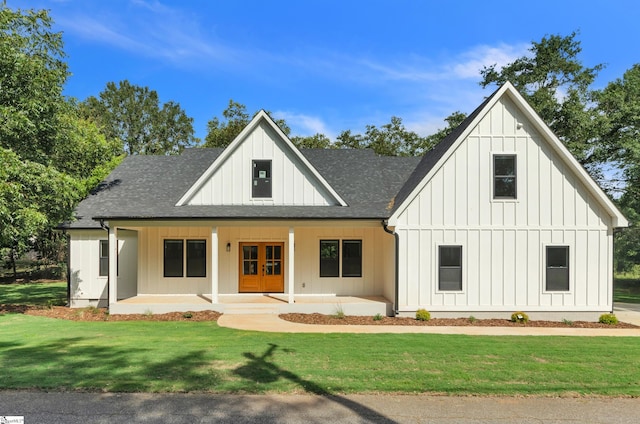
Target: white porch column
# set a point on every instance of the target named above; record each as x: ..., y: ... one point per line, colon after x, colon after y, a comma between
x: 113, y: 265
x: 290, y: 273
x: 214, y: 264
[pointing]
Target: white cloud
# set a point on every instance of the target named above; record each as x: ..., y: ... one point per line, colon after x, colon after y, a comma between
x: 304, y: 125
x: 472, y: 61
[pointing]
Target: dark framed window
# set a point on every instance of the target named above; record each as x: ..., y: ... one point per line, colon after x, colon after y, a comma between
x: 104, y: 258
x: 450, y: 268
x: 196, y: 258
x: 352, y: 258
x: 261, y: 178
x: 557, y: 268
x: 504, y: 177
x: 173, y: 258
x: 329, y: 258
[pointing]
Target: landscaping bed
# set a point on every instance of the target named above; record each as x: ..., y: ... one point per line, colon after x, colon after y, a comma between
x: 452, y: 322
x: 101, y: 314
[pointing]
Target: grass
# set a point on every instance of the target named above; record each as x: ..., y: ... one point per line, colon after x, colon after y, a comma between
x: 139, y: 356
x: 35, y: 294
x: 130, y: 356
x: 626, y: 288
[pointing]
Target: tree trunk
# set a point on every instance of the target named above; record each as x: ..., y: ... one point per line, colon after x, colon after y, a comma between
x: 13, y: 264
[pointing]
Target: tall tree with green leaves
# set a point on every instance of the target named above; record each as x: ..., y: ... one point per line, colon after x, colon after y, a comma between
x: 316, y: 141
x: 392, y: 139
x: 32, y: 75
x: 221, y: 132
x: 133, y: 115
x: 558, y: 87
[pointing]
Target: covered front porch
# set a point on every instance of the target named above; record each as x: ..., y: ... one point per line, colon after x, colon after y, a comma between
x: 254, y: 304
x: 250, y: 267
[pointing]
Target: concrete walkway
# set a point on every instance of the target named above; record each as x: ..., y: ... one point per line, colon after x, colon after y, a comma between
x: 629, y: 313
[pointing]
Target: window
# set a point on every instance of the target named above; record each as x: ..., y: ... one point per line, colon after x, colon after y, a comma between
x: 504, y: 176
x: 330, y: 258
x: 196, y: 258
x: 450, y: 268
x: 352, y: 258
x: 557, y: 268
x: 104, y: 258
x: 261, y: 182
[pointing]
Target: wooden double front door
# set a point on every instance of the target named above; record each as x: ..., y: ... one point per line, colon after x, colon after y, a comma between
x: 261, y: 267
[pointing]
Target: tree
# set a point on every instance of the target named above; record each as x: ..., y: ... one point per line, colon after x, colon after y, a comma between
x: 557, y: 86
x: 430, y: 141
x: 316, y: 141
x: 392, y: 139
x: 220, y: 133
x: 133, y: 115
x: 32, y: 74
x: 33, y: 198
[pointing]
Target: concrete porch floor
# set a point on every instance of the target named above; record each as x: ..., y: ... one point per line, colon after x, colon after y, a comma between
x: 254, y: 304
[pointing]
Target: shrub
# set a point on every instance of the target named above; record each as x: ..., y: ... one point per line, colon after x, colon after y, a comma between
x: 423, y: 315
x: 377, y: 317
x: 472, y: 319
x: 609, y: 319
x: 187, y: 315
x: 567, y: 322
x: 520, y: 317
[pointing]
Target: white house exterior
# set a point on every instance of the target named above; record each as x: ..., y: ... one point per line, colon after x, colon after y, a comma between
x: 499, y: 217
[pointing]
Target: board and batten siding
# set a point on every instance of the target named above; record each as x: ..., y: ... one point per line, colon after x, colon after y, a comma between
x: 151, y: 278
x: 292, y: 183
x: 504, y: 241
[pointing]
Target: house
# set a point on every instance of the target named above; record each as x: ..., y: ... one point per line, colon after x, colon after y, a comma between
x: 498, y: 217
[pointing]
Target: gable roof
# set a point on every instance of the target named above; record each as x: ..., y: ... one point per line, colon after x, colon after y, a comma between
x: 148, y: 187
x: 261, y: 116
x: 435, y: 158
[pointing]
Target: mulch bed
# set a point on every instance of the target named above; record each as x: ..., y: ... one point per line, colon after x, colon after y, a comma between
x: 449, y: 322
x: 101, y: 314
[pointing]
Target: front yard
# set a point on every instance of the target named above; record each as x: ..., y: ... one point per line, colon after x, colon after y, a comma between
x: 149, y: 356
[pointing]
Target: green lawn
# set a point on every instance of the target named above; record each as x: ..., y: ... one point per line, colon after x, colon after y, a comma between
x: 626, y: 288
x: 51, y: 354
x: 33, y: 294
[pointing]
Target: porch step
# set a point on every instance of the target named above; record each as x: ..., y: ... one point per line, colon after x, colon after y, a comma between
x: 251, y: 308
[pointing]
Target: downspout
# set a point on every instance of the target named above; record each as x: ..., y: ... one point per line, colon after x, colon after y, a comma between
x: 397, y: 264
x: 106, y: 227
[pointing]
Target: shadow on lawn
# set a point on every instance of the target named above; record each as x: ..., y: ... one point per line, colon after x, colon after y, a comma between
x: 81, y: 363
x: 262, y: 370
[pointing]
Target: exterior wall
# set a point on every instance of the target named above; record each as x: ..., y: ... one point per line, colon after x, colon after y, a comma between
x: 292, y: 184
x: 87, y: 287
x: 150, y: 267
x: 377, y: 272
x: 503, y: 259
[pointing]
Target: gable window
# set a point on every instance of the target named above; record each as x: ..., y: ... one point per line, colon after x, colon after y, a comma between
x: 104, y: 258
x: 331, y: 259
x: 174, y: 258
x: 450, y: 268
x: 504, y: 177
x: 557, y: 268
x: 261, y: 180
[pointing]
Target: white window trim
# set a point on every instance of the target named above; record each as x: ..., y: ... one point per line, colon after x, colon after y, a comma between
x: 494, y: 153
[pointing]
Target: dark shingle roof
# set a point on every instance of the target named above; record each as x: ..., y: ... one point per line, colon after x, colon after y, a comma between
x: 148, y: 187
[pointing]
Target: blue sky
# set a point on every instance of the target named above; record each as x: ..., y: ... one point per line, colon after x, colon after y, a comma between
x: 325, y: 65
